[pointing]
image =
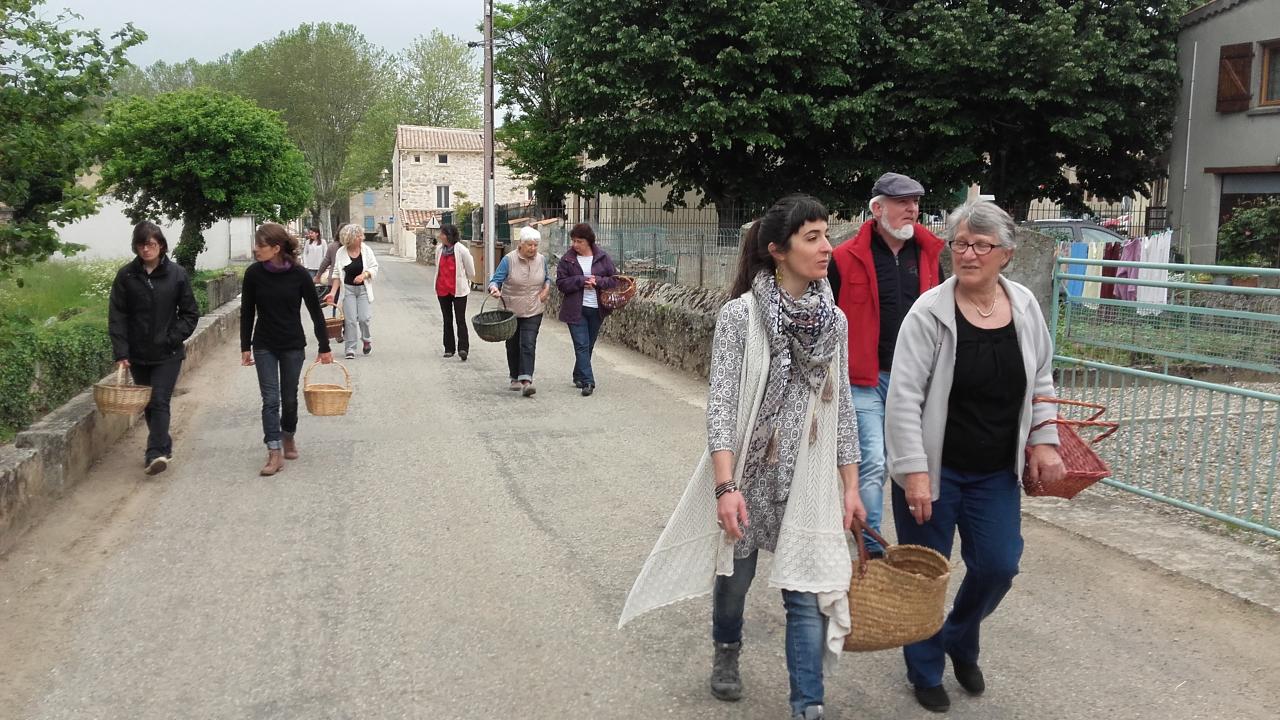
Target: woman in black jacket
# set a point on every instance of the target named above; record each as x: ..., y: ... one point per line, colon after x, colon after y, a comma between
x: 152, y: 312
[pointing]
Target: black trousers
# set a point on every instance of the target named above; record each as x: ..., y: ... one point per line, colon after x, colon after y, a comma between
x: 451, y: 309
x: 162, y: 378
x: 522, y: 346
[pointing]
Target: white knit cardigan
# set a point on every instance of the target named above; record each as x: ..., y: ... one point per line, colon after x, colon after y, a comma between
x: 812, y: 553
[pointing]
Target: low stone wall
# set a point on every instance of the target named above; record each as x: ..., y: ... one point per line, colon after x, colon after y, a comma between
x: 222, y: 290
x: 426, y: 249
x: 55, y: 453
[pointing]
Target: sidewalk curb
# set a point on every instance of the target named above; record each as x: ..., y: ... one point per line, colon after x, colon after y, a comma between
x: 54, y: 454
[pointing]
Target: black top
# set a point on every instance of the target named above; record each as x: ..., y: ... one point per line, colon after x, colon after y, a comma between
x: 274, y: 299
x: 150, y: 315
x: 986, y: 399
x: 353, y: 270
x: 898, y: 280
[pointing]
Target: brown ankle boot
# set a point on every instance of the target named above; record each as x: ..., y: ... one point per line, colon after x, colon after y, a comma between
x: 290, y: 447
x: 275, y: 463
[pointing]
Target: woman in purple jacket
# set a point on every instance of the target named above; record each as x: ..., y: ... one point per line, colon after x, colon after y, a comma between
x: 583, y: 271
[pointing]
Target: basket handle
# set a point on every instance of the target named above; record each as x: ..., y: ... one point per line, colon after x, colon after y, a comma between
x: 864, y: 555
x: 1074, y: 403
x: 1093, y: 420
x: 307, y: 377
x: 120, y: 374
x: 487, y: 296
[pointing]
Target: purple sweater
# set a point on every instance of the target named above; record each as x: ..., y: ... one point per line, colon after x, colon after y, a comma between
x: 570, y: 280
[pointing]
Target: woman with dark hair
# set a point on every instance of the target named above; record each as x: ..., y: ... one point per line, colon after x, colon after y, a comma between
x: 275, y: 287
x: 780, y: 472
x: 584, y: 270
x: 152, y: 312
x: 454, y: 272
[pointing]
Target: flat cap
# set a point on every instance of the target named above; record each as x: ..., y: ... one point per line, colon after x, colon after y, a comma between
x: 896, y: 185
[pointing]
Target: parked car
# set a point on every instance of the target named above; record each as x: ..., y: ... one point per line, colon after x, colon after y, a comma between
x: 1075, y: 230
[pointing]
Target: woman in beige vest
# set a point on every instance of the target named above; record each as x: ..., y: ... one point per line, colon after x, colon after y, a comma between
x: 522, y: 281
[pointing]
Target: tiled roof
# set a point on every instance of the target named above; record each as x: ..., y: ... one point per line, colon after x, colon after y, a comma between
x: 414, y: 219
x: 417, y: 137
x: 1208, y: 10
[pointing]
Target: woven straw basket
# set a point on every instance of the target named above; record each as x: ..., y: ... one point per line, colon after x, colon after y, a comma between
x: 326, y: 398
x: 333, y: 325
x: 494, y: 325
x: 615, y: 298
x: 897, y: 600
x: 1084, y: 467
x: 121, y: 397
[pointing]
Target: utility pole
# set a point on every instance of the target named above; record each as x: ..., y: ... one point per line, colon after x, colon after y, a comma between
x: 490, y: 243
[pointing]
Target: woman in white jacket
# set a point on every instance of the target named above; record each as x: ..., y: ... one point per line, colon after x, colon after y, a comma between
x: 454, y: 273
x: 355, y: 267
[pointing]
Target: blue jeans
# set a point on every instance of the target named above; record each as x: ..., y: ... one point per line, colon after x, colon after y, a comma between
x: 986, y: 507
x: 278, y: 373
x: 869, y: 404
x: 806, y: 629
x: 522, y: 347
x: 584, y: 334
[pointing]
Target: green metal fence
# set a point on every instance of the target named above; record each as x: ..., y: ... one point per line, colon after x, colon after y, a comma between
x: 1193, y: 376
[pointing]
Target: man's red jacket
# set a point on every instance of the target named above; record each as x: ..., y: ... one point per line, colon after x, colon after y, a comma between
x: 859, y: 296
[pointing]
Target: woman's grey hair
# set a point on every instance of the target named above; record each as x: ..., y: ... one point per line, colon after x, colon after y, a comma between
x: 984, y: 218
x: 350, y: 232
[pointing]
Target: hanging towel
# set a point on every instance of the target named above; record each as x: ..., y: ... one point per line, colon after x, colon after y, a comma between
x: 1093, y: 289
x: 1110, y: 252
x: 1130, y: 252
x: 1155, y: 249
x: 1075, y: 288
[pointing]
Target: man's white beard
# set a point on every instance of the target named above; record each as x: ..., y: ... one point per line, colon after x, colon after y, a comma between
x: 904, y: 233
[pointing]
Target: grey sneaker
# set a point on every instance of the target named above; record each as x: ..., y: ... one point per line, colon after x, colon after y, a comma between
x: 726, y: 683
x: 158, y: 465
x: 813, y: 712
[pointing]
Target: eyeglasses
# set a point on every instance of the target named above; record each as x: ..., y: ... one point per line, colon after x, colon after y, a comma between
x: 150, y: 245
x: 958, y: 247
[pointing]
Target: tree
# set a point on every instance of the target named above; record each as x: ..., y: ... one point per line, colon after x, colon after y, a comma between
x: 534, y: 128
x: 438, y: 83
x: 322, y: 79
x: 201, y: 155
x: 1252, y: 236
x: 161, y: 77
x: 739, y: 100
x: 50, y: 78
x: 1008, y: 93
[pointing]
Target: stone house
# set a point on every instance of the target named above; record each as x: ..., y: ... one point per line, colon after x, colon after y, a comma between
x: 372, y: 211
x: 1226, y: 135
x: 431, y: 169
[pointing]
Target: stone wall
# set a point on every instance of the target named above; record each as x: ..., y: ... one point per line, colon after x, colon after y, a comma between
x: 426, y: 248
x: 463, y: 172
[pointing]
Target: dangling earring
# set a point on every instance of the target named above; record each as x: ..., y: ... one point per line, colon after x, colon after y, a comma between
x: 777, y: 274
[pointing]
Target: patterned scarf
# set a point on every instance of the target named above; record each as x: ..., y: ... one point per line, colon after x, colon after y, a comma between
x: 802, y: 331
x: 446, y: 251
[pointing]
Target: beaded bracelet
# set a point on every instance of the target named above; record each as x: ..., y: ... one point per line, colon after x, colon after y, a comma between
x: 725, y: 488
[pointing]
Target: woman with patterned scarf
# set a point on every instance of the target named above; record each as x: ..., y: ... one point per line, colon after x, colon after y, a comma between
x: 781, y: 468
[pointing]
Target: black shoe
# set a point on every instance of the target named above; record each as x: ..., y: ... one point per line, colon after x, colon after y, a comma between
x: 463, y: 355
x: 969, y: 675
x: 933, y: 699
x: 448, y: 354
x: 579, y: 384
x: 368, y: 347
x: 587, y: 390
x: 158, y: 465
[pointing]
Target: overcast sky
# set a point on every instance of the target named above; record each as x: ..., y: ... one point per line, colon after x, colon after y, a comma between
x: 207, y: 29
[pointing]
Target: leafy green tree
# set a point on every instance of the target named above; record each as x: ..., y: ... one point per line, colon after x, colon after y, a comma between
x: 161, y: 77
x: 50, y: 79
x: 200, y: 156
x: 1008, y: 93
x: 1252, y: 236
x: 323, y: 79
x: 534, y: 128
x: 739, y: 100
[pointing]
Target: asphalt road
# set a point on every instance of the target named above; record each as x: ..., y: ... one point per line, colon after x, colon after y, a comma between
x: 449, y: 549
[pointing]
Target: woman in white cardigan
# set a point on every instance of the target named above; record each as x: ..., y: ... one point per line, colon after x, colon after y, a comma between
x: 971, y: 354
x: 781, y: 468
x: 454, y: 273
x: 355, y: 267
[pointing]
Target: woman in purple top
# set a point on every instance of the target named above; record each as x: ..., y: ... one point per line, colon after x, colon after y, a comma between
x: 583, y: 271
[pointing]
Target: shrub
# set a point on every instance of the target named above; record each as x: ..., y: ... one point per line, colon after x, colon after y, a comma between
x: 1252, y: 236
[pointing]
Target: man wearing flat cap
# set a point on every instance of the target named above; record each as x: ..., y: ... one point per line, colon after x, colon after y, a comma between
x: 875, y: 278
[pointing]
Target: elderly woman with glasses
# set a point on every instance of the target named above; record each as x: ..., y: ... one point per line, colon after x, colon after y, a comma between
x: 971, y: 354
x: 354, y: 268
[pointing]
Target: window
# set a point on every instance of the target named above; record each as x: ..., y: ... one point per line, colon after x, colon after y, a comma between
x: 368, y: 199
x: 368, y: 223
x: 1235, y: 64
x: 442, y: 159
x: 1270, y: 75
x: 442, y: 196
x: 417, y: 158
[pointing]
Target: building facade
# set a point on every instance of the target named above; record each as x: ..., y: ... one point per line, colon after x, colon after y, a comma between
x: 372, y: 211
x: 1226, y: 137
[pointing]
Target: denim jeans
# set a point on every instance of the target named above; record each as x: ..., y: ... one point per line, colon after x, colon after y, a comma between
x: 806, y: 629
x: 357, y: 312
x: 869, y: 404
x: 986, y: 507
x: 522, y: 346
x: 584, y: 334
x: 454, y: 309
x: 162, y: 378
x: 278, y: 372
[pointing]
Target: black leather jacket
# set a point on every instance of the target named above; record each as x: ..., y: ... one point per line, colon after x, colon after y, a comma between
x: 150, y: 316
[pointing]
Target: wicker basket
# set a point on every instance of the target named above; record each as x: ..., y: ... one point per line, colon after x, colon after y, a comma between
x: 121, y: 397
x: 326, y: 398
x: 494, y: 325
x: 617, y: 297
x: 897, y: 600
x: 333, y: 325
x: 1084, y: 467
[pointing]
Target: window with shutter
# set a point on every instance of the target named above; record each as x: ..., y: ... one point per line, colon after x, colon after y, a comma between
x: 1235, y: 63
x: 1270, y: 75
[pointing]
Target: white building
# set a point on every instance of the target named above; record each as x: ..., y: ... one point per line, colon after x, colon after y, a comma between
x: 108, y: 234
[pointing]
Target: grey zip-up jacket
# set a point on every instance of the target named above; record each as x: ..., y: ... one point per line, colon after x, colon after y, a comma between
x: 915, y: 413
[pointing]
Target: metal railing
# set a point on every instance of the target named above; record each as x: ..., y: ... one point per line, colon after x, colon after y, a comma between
x: 1192, y: 375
